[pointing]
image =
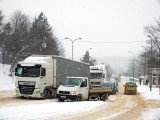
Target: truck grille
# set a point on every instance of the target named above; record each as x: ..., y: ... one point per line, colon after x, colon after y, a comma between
x: 64, y: 92
x: 26, y: 88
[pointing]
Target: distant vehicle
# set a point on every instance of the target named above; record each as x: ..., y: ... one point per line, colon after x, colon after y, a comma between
x: 112, y: 85
x: 78, y: 88
x: 39, y: 76
x: 116, y: 84
x: 130, y: 88
x: 135, y: 79
x: 98, y: 75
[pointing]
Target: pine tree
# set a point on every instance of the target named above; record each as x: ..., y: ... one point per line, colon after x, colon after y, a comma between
x: 88, y: 59
x: 42, y: 35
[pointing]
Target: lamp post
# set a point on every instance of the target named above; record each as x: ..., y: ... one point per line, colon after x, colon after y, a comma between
x: 150, y: 83
x: 72, y: 43
x: 133, y: 63
x: 144, y: 63
x: 88, y: 54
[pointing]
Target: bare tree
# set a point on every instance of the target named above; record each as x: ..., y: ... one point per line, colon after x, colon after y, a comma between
x: 153, y: 33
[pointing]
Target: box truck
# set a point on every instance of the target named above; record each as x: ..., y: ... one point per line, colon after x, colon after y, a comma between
x: 39, y: 76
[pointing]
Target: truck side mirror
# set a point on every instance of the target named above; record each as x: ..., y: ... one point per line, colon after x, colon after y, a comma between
x: 16, y: 71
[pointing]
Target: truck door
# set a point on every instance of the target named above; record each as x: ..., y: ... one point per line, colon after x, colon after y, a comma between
x: 84, y: 89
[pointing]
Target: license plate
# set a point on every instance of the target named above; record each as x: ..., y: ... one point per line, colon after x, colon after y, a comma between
x: 63, y: 96
x: 131, y: 88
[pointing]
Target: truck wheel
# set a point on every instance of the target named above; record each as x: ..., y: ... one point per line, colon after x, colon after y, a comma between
x: 106, y: 97
x: 79, y: 98
x: 103, y: 98
x: 47, y: 94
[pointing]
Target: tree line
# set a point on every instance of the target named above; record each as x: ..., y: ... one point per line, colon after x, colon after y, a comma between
x: 20, y: 38
x: 149, y: 57
x: 151, y: 54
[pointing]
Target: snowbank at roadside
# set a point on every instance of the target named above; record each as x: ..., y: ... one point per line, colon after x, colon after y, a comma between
x: 150, y: 114
x: 6, y: 81
x: 144, y: 90
x: 154, y: 94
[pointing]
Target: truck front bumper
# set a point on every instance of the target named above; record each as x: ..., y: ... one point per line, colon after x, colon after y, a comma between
x: 65, y: 97
x: 36, y: 94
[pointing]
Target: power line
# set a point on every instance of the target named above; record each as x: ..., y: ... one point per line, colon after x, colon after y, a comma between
x: 113, y: 42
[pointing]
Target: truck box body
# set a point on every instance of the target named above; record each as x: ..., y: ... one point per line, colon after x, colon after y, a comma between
x: 40, y: 75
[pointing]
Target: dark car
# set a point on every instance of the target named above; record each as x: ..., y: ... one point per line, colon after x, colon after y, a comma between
x: 112, y: 85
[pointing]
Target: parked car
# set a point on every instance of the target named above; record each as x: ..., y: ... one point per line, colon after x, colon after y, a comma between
x: 112, y: 85
x: 130, y: 88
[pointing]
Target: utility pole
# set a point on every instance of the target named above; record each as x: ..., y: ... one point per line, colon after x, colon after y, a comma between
x: 150, y: 83
x: 133, y: 63
x: 145, y: 56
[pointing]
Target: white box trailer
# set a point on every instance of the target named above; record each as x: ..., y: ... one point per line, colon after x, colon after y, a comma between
x: 39, y: 76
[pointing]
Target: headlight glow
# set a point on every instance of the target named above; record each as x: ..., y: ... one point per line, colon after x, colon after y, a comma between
x: 73, y: 92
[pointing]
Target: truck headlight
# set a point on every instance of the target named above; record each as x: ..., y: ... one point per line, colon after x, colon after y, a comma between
x: 37, y: 92
x: 73, y: 92
x: 17, y: 91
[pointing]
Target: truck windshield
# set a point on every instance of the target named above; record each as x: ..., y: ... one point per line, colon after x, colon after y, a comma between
x: 95, y: 75
x: 28, y: 71
x: 72, y: 81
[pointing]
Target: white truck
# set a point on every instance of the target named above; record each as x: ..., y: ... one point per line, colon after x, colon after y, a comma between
x: 39, y: 76
x: 98, y: 74
x: 78, y: 88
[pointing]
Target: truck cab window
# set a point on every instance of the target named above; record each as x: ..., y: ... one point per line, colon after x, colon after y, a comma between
x: 28, y: 71
x: 20, y: 71
x: 84, y: 83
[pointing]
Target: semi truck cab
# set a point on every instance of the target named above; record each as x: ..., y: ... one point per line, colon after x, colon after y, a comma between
x: 33, y: 77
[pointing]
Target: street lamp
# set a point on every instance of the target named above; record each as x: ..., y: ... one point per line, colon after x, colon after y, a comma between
x: 150, y: 83
x: 133, y: 63
x: 72, y: 43
x: 88, y: 54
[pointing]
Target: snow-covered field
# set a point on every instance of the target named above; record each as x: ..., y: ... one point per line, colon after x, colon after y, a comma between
x: 40, y: 111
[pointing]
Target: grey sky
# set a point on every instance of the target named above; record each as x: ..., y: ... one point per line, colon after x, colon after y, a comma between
x: 93, y: 20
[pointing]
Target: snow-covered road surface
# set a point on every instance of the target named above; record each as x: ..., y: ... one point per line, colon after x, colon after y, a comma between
x: 44, y: 110
x: 118, y: 107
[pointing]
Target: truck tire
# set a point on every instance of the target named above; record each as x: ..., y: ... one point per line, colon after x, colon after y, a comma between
x: 47, y: 94
x: 79, y: 98
x: 107, y: 96
x: 103, y: 97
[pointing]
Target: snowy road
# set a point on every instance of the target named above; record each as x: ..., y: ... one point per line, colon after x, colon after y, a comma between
x: 118, y: 107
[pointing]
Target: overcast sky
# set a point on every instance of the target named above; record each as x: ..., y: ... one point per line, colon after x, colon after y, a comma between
x: 97, y: 22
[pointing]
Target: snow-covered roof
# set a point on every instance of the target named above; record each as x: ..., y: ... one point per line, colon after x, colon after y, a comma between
x: 32, y: 58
